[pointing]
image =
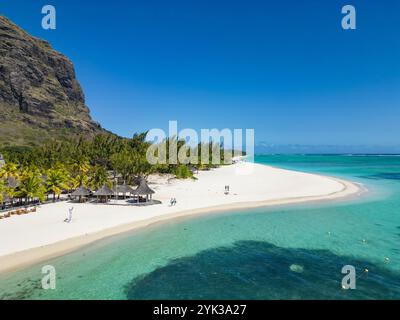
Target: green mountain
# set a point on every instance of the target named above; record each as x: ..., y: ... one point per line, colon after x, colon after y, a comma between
x: 40, y: 98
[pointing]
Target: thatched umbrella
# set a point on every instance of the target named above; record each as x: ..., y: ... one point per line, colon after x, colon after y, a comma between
x: 143, y: 190
x: 124, y: 189
x: 12, y: 182
x: 103, y: 193
x: 81, y: 192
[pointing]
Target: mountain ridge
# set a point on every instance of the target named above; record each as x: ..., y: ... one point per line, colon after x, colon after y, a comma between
x: 40, y: 97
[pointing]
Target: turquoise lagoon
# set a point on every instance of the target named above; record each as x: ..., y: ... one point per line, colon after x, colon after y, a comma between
x: 284, y: 252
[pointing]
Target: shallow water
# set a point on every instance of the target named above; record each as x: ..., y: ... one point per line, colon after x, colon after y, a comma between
x: 285, y: 252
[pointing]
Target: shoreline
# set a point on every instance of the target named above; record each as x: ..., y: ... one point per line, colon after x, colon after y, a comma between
x: 32, y: 256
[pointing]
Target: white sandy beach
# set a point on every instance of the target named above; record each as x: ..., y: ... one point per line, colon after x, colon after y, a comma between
x: 30, y: 238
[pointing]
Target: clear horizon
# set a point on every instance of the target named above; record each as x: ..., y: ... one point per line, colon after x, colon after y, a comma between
x: 288, y: 70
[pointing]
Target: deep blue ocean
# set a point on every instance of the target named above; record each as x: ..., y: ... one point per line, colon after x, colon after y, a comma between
x: 284, y: 252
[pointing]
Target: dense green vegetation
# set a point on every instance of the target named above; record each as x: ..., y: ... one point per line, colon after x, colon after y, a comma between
x: 56, y: 167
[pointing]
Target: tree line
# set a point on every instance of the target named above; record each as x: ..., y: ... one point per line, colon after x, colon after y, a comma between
x: 62, y: 166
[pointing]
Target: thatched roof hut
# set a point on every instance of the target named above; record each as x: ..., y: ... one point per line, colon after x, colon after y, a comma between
x: 123, y: 189
x: 143, y: 190
x: 12, y: 182
x: 104, y: 191
x: 81, y: 192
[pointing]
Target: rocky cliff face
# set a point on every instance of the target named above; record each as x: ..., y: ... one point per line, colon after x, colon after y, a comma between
x: 40, y: 97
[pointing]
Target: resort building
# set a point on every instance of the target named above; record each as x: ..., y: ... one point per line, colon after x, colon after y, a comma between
x: 143, y: 190
x: 104, y: 194
x: 81, y: 193
x: 123, y: 191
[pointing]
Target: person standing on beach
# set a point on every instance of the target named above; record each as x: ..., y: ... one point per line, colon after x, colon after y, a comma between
x: 69, y: 219
x: 226, y: 190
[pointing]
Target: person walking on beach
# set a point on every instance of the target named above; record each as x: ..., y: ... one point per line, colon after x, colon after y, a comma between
x: 69, y: 219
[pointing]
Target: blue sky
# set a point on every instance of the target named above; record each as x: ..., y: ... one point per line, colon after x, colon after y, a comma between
x: 285, y: 68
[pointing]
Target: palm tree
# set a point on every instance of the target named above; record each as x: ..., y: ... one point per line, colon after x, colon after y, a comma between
x: 79, y: 173
x: 81, y: 180
x: 121, y: 163
x: 31, y: 185
x: 81, y: 166
x: 57, y: 180
x: 9, y: 170
x: 140, y: 166
x: 99, y: 178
